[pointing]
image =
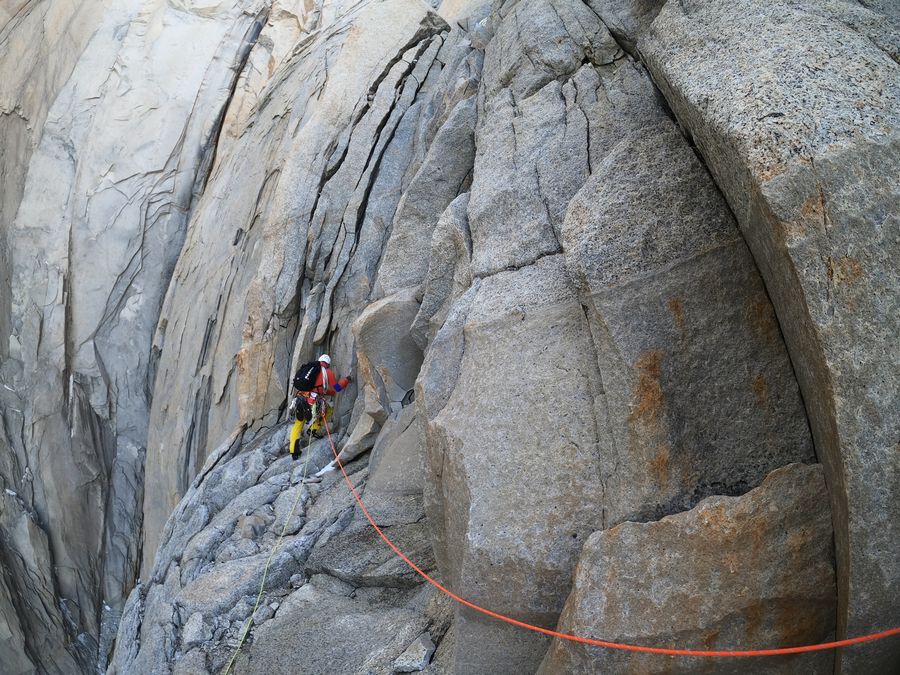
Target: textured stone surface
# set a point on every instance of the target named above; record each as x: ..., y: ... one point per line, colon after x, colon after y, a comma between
x: 532, y: 133
x: 627, y: 19
x: 350, y: 635
x: 445, y: 172
x: 698, y: 393
x: 449, y: 274
x: 389, y: 359
x: 120, y: 140
x: 195, y: 631
x: 394, y: 491
x: 597, y: 344
x: 513, y: 479
x: 196, y: 605
x: 793, y: 106
x: 416, y: 657
x: 333, y: 146
x: 33, y: 73
x: 239, y: 325
x: 750, y: 572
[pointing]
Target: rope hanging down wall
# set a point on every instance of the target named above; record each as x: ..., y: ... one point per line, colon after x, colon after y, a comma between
x: 591, y: 641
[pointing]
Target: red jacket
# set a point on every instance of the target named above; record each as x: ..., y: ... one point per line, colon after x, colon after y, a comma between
x: 327, y: 383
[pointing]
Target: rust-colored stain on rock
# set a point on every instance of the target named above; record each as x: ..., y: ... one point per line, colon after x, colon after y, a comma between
x: 761, y: 317
x: 797, y: 542
x: 710, y: 638
x: 754, y: 614
x: 676, y: 306
x: 812, y: 207
x: 659, y: 466
x: 717, y: 519
x: 844, y: 270
x: 772, y: 170
x: 648, y: 395
x: 758, y: 537
x: 761, y: 390
x: 795, y: 624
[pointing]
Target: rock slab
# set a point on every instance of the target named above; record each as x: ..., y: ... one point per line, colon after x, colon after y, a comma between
x: 794, y: 107
x: 748, y: 572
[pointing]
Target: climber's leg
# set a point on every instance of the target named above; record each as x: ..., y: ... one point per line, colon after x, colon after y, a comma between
x: 296, y: 430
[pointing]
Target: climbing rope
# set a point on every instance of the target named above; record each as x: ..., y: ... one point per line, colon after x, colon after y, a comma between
x: 262, y: 583
x: 591, y: 641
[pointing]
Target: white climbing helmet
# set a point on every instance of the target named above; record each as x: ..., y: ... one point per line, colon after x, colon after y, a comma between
x: 325, y: 358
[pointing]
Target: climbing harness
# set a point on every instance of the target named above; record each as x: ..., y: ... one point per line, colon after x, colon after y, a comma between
x: 262, y: 583
x: 591, y: 641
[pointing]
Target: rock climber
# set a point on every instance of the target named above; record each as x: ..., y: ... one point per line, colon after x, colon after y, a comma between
x: 313, y: 382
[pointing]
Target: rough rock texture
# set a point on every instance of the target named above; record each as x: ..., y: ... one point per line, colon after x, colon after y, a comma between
x: 389, y: 359
x: 649, y: 345
x: 335, y: 598
x: 416, y: 656
x: 627, y: 19
x: 794, y: 107
x: 34, y: 72
x: 513, y: 473
x: 307, y: 193
x: 397, y: 471
x: 698, y: 393
x: 532, y: 133
x: 732, y: 573
x: 485, y: 212
x: 108, y: 173
x: 449, y: 270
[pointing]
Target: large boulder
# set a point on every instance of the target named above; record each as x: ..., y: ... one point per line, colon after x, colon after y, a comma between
x: 394, y: 491
x: 748, y: 572
x: 389, y: 359
x: 700, y: 398
x: 793, y: 105
x: 513, y: 472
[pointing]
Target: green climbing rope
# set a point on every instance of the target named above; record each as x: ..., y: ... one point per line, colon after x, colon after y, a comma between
x: 262, y: 583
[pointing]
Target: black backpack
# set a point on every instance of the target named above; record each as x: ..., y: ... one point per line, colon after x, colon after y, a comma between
x: 305, y: 377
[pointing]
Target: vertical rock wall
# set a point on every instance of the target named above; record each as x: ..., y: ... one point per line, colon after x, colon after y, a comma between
x: 487, y: 208
x: 800, y: 129
x: 288, y: 227
x: 125, y: 112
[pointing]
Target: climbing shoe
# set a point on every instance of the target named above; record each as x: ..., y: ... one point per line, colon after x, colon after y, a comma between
x: 295, y: 456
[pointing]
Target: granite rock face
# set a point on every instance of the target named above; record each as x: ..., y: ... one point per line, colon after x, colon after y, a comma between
x: 698, y: 390
x: 334, y: 599
x: 561, y: 293
x: 120, y: 141
x: 799, y: 126
x: 513, y: 471
x: 732, y: 573
x: 307, y: 194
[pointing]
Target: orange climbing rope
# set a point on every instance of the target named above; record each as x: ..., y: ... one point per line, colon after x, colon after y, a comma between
x: 591, y: 641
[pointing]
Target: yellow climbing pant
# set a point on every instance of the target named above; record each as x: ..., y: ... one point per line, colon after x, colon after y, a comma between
x: 314, y: 427
x: 296, y: 430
